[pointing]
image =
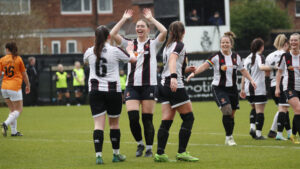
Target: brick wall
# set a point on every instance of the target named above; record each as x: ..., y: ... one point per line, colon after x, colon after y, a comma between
x: 291, y: 8
x: 55, y: 19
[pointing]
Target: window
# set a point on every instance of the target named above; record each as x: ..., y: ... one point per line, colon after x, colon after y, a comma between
x: 55, y: 47
x: 204, y: 12
x: 105, y: 6
x: 76, y: 7
x: 297, y: 7
x: 71, y: 46
x: 14, y: 7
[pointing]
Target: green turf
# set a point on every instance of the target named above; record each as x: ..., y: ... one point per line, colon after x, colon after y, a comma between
x: 61, y: 138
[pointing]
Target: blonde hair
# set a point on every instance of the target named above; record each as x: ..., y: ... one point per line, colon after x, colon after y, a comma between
x: 279, y: 41
x: 229, y: 35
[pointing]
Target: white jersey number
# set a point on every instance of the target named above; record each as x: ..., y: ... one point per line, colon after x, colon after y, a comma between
x: 101, y: 63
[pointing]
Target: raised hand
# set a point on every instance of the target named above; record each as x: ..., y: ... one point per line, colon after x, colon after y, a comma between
x: 128, y: 14
x: 147, y: 13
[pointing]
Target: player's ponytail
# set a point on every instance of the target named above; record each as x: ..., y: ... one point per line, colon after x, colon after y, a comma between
x: 101, y: 35
x: 279, y: 41
x: 176, y: 32
x: 256, y: 45
x: 12, y: 48
x: 231, y: 36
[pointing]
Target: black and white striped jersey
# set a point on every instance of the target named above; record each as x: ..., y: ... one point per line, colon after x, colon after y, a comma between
x: 104, y: 75
x: 177, y: 48
x: 273, y: 60
x: 257, y: 75
x: 291, y: 79
x: 227, y: 78
x: 144, y: 71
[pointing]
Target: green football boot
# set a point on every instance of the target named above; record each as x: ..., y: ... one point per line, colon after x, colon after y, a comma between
x: 118, y: 158
x: 185, y: 156
x: 161, y: 158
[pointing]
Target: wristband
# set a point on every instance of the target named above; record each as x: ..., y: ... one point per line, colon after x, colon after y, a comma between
x: 174, y: 75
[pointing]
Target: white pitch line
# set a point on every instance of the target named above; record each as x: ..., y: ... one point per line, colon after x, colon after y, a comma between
x: 175, y: 144
x: 125, y: 132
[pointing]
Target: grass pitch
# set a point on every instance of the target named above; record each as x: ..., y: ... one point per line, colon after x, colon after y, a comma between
x: 59, y: 137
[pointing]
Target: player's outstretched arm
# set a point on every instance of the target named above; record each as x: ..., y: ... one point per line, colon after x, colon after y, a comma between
x: 114, y: 33
x: 163, y: 31
x: 199, y: 70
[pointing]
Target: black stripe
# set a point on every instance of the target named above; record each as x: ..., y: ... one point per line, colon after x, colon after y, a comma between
x: 234, y: 63
x: 291, y: 73
x: 167, y: 81
x: 132, y: 66
x: 94, y: 84
x: 183, y: 66
x: 112, y: 86
x: 178, y: 48
x: 251, y: 90
x: 146, y: 64
x: 222, y: 81
x: 124, y: 51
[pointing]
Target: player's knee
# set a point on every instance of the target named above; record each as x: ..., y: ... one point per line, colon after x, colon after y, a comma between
x: 226, y: 110
x: 133, y: 116
x: 166, y: 124
x: 188, y: 121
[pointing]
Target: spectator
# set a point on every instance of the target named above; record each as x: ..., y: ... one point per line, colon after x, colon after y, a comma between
x: 215, y: 19
x: 62, y: 85
x: 194, y: 19
x: 34, y: 81
x: 78, y: 82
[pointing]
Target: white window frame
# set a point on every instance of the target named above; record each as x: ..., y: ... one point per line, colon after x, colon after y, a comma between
x: 58, y: 44
x: 75, y: 45
x: 77, y: 12
x: 19, y: 13
x: 297, y: 14
x: 105, y: 12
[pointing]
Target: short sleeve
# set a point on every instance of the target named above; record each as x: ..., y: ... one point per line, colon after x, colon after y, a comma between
x: 124, y: 43
x: 22, y: 66
x: 269, y: 60
x: 260, y: 60
x: 122, y: 55
x: 87, y: 54
x: 281, y: 64
x: 157, y: 43
x: 212, y: 60
x: 178, y: 48
x: 240, y: 65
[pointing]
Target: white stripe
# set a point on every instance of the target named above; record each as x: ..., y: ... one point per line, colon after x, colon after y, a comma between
x: 282, y: 104
x: 167, y: 102
x: 175, y: 144
x: 260, y: 102
x: 179, y: 104
x: 97, y: 115
x: 114, y: 116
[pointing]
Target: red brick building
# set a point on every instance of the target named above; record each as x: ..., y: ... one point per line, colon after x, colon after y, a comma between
x: 70, y: 24
x: 293, y: 8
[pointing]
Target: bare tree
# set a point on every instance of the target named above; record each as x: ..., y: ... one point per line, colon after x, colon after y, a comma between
x: 20, y: 26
